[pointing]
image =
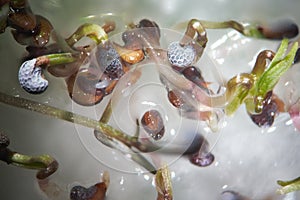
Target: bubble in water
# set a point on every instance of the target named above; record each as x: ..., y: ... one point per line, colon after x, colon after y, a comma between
x: 142, y: 90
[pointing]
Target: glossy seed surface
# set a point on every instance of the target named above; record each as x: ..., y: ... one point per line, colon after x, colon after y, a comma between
x: 202, y: 159
x: 175, y: 100
x: 267, y: 116
x: 194, y: 74
x: 23, y: 21
x: 153, y: 124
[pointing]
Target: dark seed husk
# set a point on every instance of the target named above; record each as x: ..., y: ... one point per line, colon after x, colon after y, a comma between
x: 3, y: 15
x: 153, y: 124
x: 81, y: 97
x: 202, y: 159
x: 269, y: 111
x: 280, y: 29
x: 39, y: 38
x: 22, y: 21
x: 4, y: 140
x: 82, y: 193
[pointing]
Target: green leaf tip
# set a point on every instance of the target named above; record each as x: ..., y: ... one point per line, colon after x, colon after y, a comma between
x: 278, y: 66
x: 288, y: 186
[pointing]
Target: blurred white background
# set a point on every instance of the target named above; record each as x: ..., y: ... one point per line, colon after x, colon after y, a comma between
x: 247, y: 160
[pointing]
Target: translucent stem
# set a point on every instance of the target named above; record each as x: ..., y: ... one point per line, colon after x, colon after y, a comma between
x: 77, y: 119
x: 140, y: 159
x: 181, y: 83
x: 63, y: 58
x: 261, y: 62
x: 237, y: 90
x: 56, y: 59
x: 221, y: 25
x: 135, y: 156
x: 276, y: 31
x: 106, y: 114
x: 26, y: 161
x: 46, y: 164
x: 289, y: 186
x: 200, y: 25
x: 195, y: 27
x: 42, y: 161
x: 93, y: 31
x: 247, y: 30
x: 279, y: 65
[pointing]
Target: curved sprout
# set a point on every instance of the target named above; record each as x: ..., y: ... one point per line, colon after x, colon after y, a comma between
x: 31, y: 76
x: 187, y: 90
x: 96, y: 191
x: 289, y: 186
x: 45, y: 164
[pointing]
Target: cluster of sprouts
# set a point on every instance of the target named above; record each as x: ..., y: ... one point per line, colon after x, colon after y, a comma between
x: 92, y: 72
